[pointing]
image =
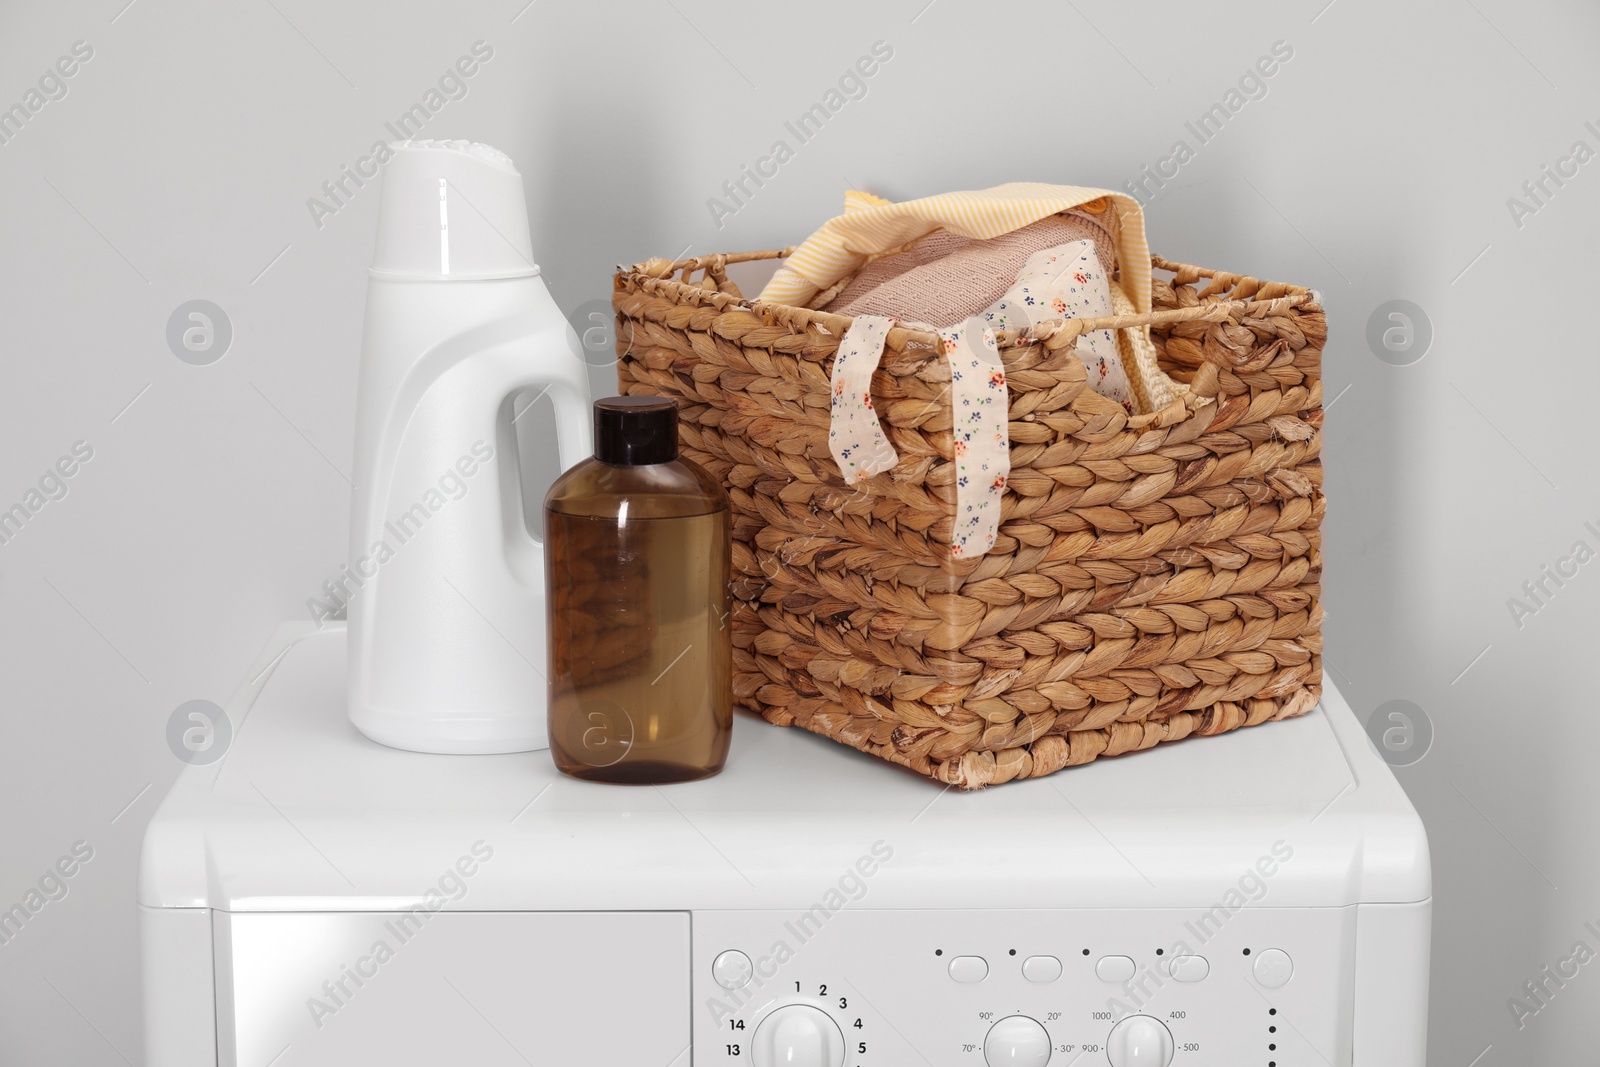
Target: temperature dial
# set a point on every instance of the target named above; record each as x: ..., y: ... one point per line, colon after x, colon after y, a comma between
x: 798, y: 1035
x: 1139, y: 1041
x: 1017, y: 1041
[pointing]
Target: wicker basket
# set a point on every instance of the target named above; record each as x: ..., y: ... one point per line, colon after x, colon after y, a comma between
x: 1155, y: 576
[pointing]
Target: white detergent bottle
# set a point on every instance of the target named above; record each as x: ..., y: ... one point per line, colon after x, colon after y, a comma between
x: 447, y: 624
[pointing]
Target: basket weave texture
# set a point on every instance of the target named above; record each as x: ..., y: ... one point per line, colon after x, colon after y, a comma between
x: 1155, y: 576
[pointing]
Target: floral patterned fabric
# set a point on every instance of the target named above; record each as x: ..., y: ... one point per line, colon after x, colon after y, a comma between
x: 1068, y: 282
x: 982, y: 435
x: 1062, y: 282
x: 855, y: 436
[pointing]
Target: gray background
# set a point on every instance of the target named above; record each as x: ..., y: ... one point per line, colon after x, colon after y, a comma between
x: 1377, y: 167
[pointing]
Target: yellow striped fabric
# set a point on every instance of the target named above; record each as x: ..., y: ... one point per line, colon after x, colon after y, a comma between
x: 872, y: 226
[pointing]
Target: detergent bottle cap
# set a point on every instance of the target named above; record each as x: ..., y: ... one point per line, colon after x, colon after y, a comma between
x: 451, y: 210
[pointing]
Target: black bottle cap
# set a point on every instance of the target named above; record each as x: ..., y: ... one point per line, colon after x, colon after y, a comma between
x: 632, y: 431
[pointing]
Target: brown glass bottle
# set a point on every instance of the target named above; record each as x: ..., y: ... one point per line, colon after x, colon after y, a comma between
x: 637, y: 568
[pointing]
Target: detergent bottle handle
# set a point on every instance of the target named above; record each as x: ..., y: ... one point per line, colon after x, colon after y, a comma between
x: 542, y: 362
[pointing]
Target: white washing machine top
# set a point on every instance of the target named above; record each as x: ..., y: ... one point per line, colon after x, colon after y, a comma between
x: 302, y: 813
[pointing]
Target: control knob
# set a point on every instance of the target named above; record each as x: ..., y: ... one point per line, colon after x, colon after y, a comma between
x: 798, y: 1035
x: 1017, y: 1041
x: 1139, y: 1041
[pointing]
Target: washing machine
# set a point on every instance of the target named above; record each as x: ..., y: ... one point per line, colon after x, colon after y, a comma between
x: 308, y: 897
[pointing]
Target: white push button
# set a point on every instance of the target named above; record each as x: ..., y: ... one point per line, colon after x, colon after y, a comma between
x: 1115, y: 968
x: 1274, y: 968
x: 732, y: 969
x: 1188, y: 968
x: 969, y: 968
x: 1041, y: 968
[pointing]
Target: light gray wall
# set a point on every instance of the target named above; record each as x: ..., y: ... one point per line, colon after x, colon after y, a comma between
x: 1377, y: 167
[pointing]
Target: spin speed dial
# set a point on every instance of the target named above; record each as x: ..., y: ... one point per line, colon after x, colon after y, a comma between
x: 798, y: 1035
x: 1139, y: 1041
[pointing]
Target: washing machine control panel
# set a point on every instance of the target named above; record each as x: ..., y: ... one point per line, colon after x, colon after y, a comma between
x: 1137, y: 988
